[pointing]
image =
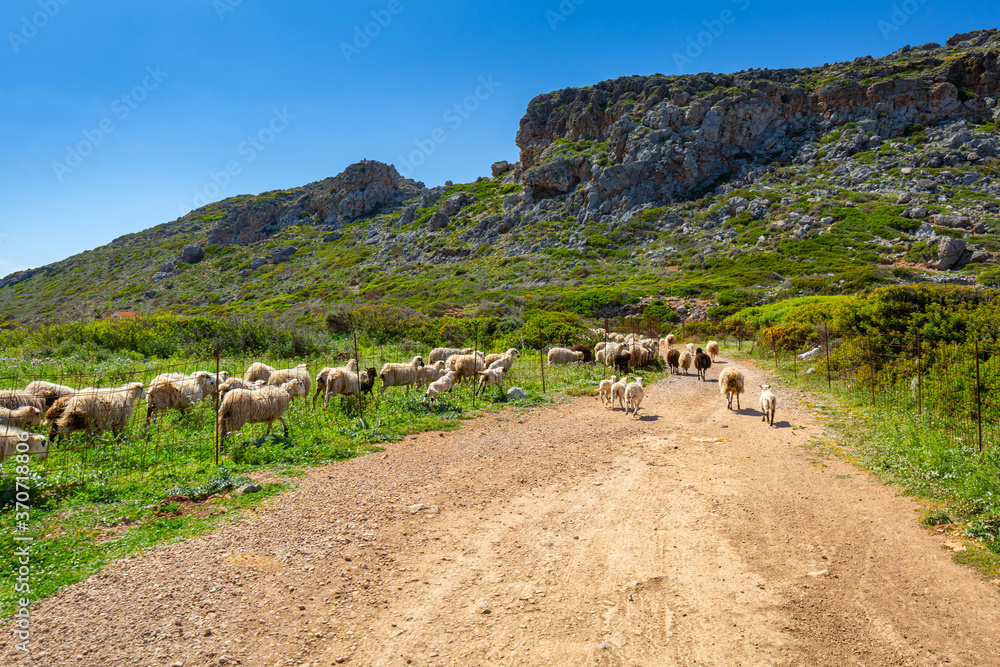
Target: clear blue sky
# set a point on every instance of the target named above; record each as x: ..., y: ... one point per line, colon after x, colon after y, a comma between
x: 118, y: 113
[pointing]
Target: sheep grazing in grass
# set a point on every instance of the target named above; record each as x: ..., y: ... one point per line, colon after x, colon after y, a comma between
x: 633, y: 396
x: 168, y: 392
x: 466, y: 365
x: 401, y: 375
x: 440, y: 386
x: 768, y: 403
x: 12, y: 400
x: 442, y: 353
x: 238, y: 383
x: 300, y: 373
x: 264, y: 406
x: 713, y: 349
x: 218, y: 379
x: 490, y: 358
x: 506, y: 362
x: 346, y: 383
x: 604, y: 390
x: 674, y: 360
x: 328, y: 373
x: 427, y: 374
x: 685, y: 361
x: 623, y: 359
x: 29, y: 415
x: 491, y: 377
x: 560, y: 355
x: 618, y: 392
x: 670, y: 340
x: 52, y: 417
x: 588, y: 355
x: 730, y: 385
x: 702, y: 362
x: 30, y: 443
x: 100, y: 410
x: 258, y: 371
x: 50, y: 391
x: 606, y: 355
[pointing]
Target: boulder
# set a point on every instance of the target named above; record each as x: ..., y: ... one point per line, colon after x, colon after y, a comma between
x: 333, y: 236
x: 192, y: 254
x: 454, y: 203
x: 950, y: 251
x: 438, y: 221
x: 516, y: 393
x: 501, y: 167
x: 283, y: 253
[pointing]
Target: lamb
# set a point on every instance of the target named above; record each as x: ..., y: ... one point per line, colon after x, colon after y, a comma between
x: 100, y: 409
x: 618, y: 392
x: 264, y: 406
x: 560, y: 355
x: 49, y: 390
x: 439, y: 386
x: 633, y: 396
x: 702, y: 362
x: 588, y: 356
x: 674, y: 360
x: 401, y: 375
x: 258, y: 371
x: 466, y: 365
x: 328, y: 373
x: 300, y: 373
x: 730, y: 385
x: 167, y: 392
x: 713, y: 349
x: 490, y: 358
x: 685, y: 360
x: 491, y: 377
x: 768, y: 404
x: 13, y: 399
x: 29, y: 415
x: 238, y: 383
x: 30, y: 443
x: 442, y: 353
x: 604, y: 390
x: 428, y: 374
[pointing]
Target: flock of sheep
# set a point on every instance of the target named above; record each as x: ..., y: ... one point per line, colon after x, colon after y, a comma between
x: 264, y: 394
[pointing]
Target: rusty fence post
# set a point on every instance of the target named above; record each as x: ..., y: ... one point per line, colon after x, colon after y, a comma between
x: 871, y: 366
x: 920, y: 378
x: 826, y: 339
x: 357, y: 358
x: 541, y: 357
x: 979, y: 405
x: 217, y: 370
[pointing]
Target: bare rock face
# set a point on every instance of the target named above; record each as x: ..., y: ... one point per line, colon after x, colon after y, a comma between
x: 365, y: 187
x: 950, y: 252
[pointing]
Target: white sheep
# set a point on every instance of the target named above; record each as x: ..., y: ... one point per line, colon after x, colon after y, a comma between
x: 730, y: 385
x: 327, y: 373
x: 618, y: 392
x: 428, y: 374
x: 218, y: 378
x: 561, y: 355
x: 401, y: 375
x: 168, y: 392
x: 713, y: 349
x: 346, y: 383
x: 50, y: 391
x: 633, y: 396
x: 811, y: 354
x: 670, y: 340
x: 491, y: 377
x: 442, y: 353
x: 685, y: 360
x: 768, y: 404
x: 29, y: 415
x: 264, y: 406
x: 604, y: 390
x: 258, y: 371
x: 505, y: 361
x: 30, y: 443
x: 300, y: 373
x: 466, y: 365
x: 238, y: 383
x: 512, y: 353
x: 99, y: 410
x: 690, y: 349
x: 606, y: 355
x: 13, y: 399
x: 439, y: 386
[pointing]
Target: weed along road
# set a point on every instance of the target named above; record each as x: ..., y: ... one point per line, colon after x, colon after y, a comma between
x: 558, y: 536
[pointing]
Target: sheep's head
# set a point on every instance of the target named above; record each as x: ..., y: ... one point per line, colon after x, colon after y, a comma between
x: 38, y: 446
x: 293, y: 387
x: 418, y: 361
x: 33, y: 415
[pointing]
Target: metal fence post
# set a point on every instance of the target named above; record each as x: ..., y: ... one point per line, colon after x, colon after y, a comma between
x: 217, y: 365
x: 826, y: 338
x: 979, y: 406
x: 920, y: 378
x: 871, y: 366
x: 541, y: 357
x: 475, y: 362
x: 357, y: 358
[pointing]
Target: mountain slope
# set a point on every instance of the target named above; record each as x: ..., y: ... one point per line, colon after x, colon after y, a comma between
x: 741, y: 187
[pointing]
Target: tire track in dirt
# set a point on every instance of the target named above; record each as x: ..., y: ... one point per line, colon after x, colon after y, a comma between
x: 568, y: 535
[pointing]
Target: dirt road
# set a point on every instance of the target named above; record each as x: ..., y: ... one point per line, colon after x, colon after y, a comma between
x: 566, y: 536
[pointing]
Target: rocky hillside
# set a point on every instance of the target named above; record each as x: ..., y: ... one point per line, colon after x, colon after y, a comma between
x: 734, y: 188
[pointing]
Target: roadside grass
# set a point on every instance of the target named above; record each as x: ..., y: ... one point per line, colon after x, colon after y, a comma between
x: 96, y: 501
x: 928, y: 456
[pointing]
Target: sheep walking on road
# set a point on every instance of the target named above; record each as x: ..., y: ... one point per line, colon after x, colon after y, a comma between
x: 768, y: 404
x: 713, y: 349
x: 685, y: 361
x: 604, y: 390
x: 702, y: 362
x: 730, y: 385
x: 674, y: 360
x: 633, y: 396
x: 618, y: 392
x: 264, y: 406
